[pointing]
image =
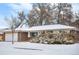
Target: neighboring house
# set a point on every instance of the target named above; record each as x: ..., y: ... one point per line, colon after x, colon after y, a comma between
x: 2, y: 35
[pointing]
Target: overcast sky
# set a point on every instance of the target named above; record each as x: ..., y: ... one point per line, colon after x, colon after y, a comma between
x: 6, y: 10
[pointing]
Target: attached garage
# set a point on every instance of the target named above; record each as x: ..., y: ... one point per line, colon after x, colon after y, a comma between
x: 19, y: 34
x: 8, y: 36
x: 16, y: 35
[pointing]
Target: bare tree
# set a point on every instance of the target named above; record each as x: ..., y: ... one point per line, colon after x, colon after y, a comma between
x: 41, y: 14
x: 76, y: 20
x: 22, y: 18
x: 65, y: 13
x: 13, y: 23
x: 46, y: 13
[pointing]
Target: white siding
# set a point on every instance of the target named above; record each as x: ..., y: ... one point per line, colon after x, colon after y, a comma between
x: 8, y: 37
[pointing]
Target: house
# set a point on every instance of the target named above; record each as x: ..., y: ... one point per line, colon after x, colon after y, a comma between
x: 24, y: 33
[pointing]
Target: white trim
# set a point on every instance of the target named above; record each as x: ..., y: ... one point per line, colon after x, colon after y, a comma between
x: 29, y: 34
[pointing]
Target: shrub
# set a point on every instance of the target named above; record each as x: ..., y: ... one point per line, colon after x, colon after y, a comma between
x: 57, y: 42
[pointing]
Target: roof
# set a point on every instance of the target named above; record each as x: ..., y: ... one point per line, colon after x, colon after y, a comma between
x: 50, y: 27
x: 2, y: 29
x: 23, y: 28
x: 42, y: 28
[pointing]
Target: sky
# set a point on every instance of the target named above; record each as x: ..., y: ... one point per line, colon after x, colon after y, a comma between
x: 8, y: 9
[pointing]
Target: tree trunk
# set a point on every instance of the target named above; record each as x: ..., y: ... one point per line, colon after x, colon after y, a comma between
x: 12, y: 36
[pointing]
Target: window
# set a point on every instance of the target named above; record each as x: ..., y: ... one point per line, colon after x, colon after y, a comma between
x: 33, y: 34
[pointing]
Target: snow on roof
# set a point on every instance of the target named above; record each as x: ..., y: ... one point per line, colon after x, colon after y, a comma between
x: 50, y: 27
x: 2, y: 28
x: 23, y: 28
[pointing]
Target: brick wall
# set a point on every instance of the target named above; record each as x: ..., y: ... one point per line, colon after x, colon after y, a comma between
x: 23, y: 36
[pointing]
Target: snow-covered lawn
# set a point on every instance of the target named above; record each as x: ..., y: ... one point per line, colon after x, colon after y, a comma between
x: 26, y: 48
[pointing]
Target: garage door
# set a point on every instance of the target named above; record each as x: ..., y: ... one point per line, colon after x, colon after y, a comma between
x: 8, y: 37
